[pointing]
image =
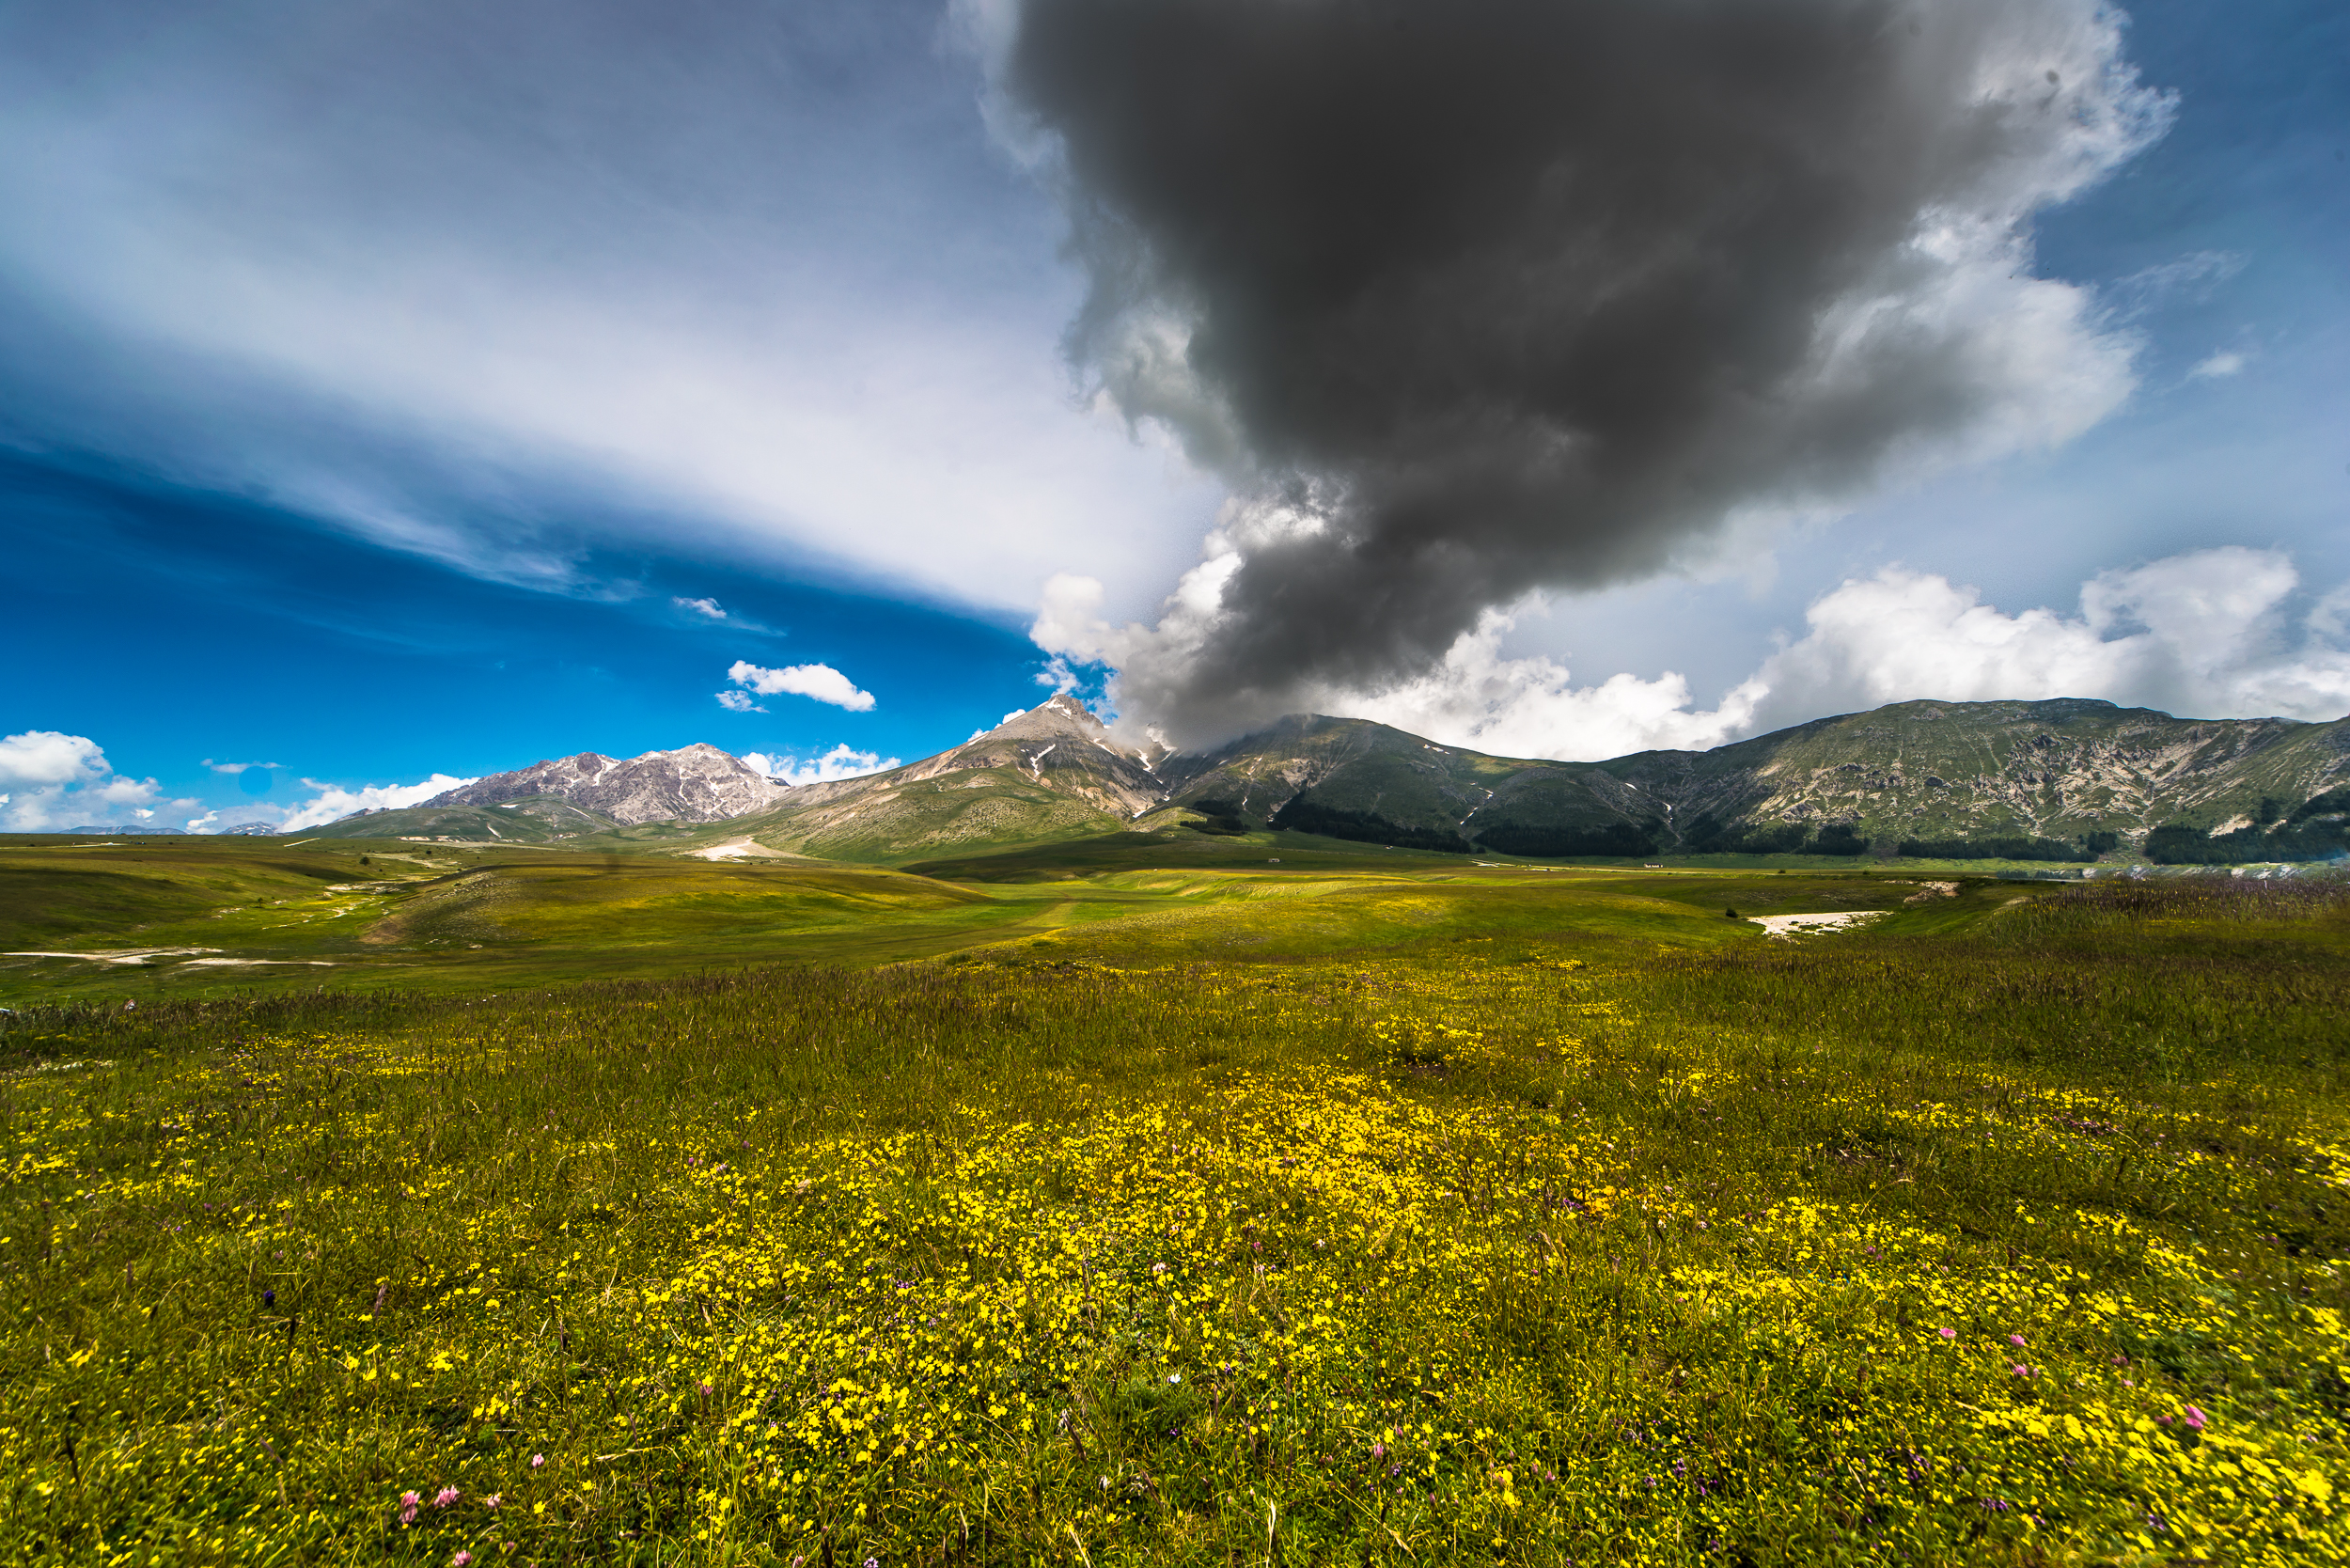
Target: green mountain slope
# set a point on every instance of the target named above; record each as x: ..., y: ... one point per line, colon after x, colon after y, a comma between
x: 1356, y: 780
x: 1052, y: 773
x: 536, y: 820
x: 1943, y: 770
x: 1916, y: 771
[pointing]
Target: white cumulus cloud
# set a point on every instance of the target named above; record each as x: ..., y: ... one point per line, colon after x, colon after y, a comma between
x: 45, y: 756
x: 820, y: 681
x: 705, y: 608
x: 1531, y: 707
x: 2205, y: 635
x: 739, y: 702
x: 841, y: 762
x: 50, y: 779
x: 333, y: 802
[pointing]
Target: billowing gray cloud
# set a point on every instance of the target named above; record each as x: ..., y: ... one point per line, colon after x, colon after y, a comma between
x: 1473, y: 297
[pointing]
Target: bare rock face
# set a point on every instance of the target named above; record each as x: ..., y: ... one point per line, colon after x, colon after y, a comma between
x: 696, y: 784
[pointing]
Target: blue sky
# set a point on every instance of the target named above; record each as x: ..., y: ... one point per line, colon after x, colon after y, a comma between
x: 230, y: 631
x: 377, y: 392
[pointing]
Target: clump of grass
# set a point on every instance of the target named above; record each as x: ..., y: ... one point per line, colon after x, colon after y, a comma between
x: 1814, y: 1253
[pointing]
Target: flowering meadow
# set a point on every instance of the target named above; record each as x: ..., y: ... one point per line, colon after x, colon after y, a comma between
x: 2017, y: 1246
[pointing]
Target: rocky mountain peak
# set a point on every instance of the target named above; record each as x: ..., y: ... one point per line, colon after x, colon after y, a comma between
x: 1057, y: 764
x: 1057, y: 717
x: 1058, y: 727
x: 696, y: 783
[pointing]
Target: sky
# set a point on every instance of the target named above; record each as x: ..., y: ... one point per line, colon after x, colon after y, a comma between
x: 394, y: 394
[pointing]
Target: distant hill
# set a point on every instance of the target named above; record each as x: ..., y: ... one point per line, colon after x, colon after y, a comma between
x: 532, y: 820
x: 2068, y: 779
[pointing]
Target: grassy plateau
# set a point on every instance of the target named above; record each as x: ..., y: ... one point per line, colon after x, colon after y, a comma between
x: 1367, y: 1207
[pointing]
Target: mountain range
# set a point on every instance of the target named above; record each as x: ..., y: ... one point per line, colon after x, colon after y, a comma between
x: 2065, y: 779
x: 694, y: 784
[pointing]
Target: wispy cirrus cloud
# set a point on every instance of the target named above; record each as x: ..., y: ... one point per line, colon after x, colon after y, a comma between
x: 2218, y: 366
x: 2192, y: 277
x: 500, y: 288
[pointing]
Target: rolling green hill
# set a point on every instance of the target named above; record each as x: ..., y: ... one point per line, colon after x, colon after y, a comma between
x: 534, y: 820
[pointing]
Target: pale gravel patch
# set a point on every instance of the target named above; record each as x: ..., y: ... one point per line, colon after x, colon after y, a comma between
x: 739, y: 849
x: 1787, y: 925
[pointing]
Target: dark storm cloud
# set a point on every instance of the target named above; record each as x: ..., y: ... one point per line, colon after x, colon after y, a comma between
x: 1471, y: 297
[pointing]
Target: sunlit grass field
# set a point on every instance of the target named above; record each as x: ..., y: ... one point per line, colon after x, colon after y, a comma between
x: 173, y: 917
x: 1197, y: 1217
